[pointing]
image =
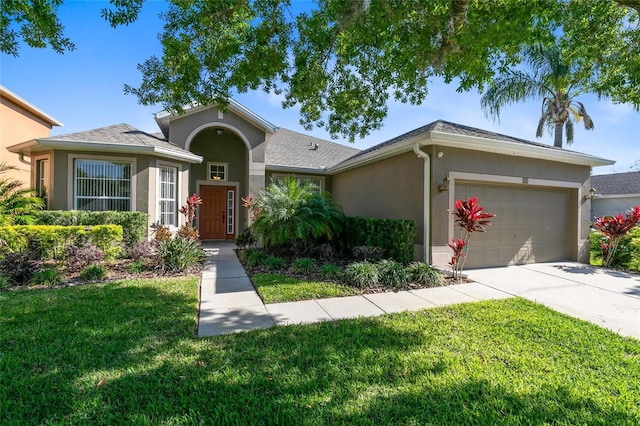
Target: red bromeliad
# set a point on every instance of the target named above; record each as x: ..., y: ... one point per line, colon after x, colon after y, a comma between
x: 471, y: 217
x: 614, y: 228
x: 190, y: 209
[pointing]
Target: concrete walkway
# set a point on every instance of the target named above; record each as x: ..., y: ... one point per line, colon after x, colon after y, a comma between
x: 229, y: 302
x: 611, y: 299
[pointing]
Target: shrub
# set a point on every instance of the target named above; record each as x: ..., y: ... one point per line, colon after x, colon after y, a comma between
x: 423, y: 274
x: 79, y: 257
x: 11, y: 240
x: 162, y: 233
x: 323, y: 251
x: 246, y: 238
x: 141, y: 251
x: 108, y: 239
x: 614, y: 229
x: 179, y: 254
x: 274, y: 263
x: 392, y: 274
x: 303, y: 265
x: 188, y: 231
x: 331, y: 271
x: 4, y: 282
x: 18, y: 267
x: 49, y: 276
x: 368, y: 253
x: 137, y: 266
x: 361, y: 274
x: 288, y: 212
x: 253, y: 257
x: 17, y: 204
x: 134, y: 224
x: 394, y: 236
x: 94, y: 273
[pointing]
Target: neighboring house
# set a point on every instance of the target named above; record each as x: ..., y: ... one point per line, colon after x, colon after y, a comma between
x: 21, y: 121
x: 536, y: 191
x: 615, y: 193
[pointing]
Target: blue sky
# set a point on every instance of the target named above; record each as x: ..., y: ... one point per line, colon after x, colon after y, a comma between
x: 83, y: 90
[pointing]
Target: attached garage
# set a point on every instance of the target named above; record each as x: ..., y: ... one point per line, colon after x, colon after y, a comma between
x: 531, y: 224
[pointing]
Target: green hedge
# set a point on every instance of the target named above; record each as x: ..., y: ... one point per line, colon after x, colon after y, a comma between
x: 52, y: 240
x: 134, y: 224
x: 394, y: 236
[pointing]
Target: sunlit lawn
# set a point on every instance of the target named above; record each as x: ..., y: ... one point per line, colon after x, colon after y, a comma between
x: 126, y: 353
x: 277, y: 288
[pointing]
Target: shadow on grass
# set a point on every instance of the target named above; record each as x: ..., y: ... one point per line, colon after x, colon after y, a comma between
x: 128, y: 355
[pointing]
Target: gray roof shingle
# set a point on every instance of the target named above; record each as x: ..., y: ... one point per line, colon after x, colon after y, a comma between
x: 617, y: 183
x: 119, y: 134
x: 287, y: 148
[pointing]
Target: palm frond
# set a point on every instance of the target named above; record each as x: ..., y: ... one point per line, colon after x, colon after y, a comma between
x: 582, y: 112
x: 515, y: 86
x: 568, y: 130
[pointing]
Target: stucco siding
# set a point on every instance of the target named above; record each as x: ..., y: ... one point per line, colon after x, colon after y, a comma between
x: 183, y: 127
x: 391, y: 188
x: 609, y: 206
x: 19, y: 125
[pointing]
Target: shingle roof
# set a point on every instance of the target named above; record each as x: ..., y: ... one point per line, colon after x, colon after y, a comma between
x: 617, y: 183
x: 119, y: 134
x: 287, y: 148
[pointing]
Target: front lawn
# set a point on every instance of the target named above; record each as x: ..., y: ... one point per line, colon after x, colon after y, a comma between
x: 126, y: 353
x: 277, y: 288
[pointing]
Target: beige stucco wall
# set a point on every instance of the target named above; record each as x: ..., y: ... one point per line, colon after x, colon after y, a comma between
x: 19, y: 125
x: 391, y: 189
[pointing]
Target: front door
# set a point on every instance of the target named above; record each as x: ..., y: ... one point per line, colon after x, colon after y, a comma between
x: 215, y: 223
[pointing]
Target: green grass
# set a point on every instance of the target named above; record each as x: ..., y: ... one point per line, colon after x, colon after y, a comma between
x: 277, y: 288
x: 125, y: 353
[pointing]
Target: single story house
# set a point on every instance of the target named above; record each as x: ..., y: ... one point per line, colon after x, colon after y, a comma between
x: 615, y: 193
x: 537, y: 191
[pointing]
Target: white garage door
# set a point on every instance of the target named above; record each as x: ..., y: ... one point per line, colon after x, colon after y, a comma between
x: 531, y: 224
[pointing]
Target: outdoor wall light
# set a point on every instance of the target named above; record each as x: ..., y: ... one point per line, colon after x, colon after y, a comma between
x: 219, y: 132
x: 591, y: 195
x: 445, y: 185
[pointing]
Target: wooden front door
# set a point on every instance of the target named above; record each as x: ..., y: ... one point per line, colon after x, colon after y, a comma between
x: 214, y: 213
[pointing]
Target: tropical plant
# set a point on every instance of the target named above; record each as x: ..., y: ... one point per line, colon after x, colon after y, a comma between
x: 331, y: 271
x: 189, y: 211
x: 550, y: 78
x: 17, y: 205
x: 179, y: 254
x: 303, y: 265
x: 274, y: 263
x: 246, y: 238
x: 614, y: 228
x: 471, y: 218
x: 253, y: 257
x: 294, y: 213
x: 392, y: 274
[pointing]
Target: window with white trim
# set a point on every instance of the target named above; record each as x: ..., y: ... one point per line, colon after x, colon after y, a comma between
x: 101, y: 185
x: 230, y: 210
x: 168, y: 195
x: 41, y: 178
x: 217, y: 171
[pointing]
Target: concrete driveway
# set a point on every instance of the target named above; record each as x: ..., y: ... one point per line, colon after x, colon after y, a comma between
x: 610, y: 299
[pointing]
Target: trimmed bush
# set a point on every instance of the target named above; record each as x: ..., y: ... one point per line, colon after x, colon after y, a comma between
x: 79, y: 257
x: 394, y: 236
x: 134, y: 224
x: 423, y: 274
x: 367, y: 253
x: 303, y: 265
x: 361, y: 274
x: 19, y: 267
x: 51, y: 241
x: 274, y: 263
x: 392, y: 274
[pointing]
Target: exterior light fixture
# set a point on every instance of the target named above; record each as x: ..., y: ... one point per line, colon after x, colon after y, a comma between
x: 591, y: 195
x: 445, y: 185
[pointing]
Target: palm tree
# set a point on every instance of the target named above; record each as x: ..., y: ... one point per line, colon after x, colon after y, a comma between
x: 551, y: 79
x: 17, y: 205
x: 293, y: 213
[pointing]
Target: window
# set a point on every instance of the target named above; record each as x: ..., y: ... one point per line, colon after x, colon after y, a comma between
x: 230, y: 210
x: 217, y: 171
x: 41, y: 179
x: 168, y: 197
x: 101, y: 185
x: 316, y: 181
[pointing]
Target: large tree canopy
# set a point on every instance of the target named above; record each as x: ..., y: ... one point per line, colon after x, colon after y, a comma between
x: 342, y: 61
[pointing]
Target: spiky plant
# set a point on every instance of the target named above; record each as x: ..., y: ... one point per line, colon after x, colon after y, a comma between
x: 549, y: 78
x: 17, y: 204
x: 294, y: 213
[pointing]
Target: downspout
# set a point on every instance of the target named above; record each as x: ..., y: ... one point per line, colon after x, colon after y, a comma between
x: 426, y: 198
x: 22, y: 160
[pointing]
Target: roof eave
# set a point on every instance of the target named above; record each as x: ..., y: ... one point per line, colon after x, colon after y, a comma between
x: 29, y: 106
x: 296, y: 169
x: 28, y: 147
x: 517, y: 149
